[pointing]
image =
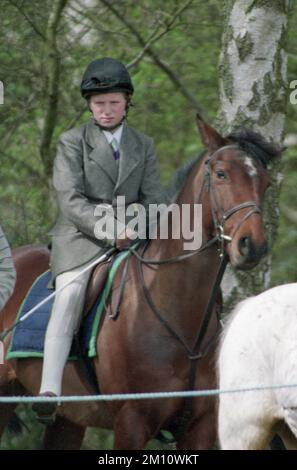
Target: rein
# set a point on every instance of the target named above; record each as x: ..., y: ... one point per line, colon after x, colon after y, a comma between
x: 219, y: 216
x: 194, y: 353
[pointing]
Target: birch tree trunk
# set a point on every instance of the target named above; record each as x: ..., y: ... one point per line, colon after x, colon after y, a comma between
x: 253, y: 84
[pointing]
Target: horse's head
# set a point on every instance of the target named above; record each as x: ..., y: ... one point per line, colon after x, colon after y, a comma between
x: 236, y: 178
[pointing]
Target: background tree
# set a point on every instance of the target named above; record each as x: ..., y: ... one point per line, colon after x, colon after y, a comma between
x: 253, y: 93
x: 173, y: 57
x: 160, y: 56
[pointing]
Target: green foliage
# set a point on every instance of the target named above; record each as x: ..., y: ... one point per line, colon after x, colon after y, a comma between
x: 284, y: 268
x: 30, y: 437
x: 190, y: 48
x: 87, y: 31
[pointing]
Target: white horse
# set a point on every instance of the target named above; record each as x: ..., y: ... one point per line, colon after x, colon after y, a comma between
x: 259, y: 348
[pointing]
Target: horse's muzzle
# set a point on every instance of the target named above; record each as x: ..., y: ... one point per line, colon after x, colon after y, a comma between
x: 249, y: 253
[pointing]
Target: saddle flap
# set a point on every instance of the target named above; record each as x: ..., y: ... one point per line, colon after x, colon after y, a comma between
x: 95, y: 286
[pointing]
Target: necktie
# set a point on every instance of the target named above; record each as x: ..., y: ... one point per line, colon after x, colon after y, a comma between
x: 116, y: 148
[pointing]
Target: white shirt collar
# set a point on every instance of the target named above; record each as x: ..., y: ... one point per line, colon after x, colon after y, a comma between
x: 117, y: 134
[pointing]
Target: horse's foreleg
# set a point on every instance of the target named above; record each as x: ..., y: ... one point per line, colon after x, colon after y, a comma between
x: 248, y: 437
x: 289, y: 441
x: 131, y: 431
x: 287, y: 429
x: 6, y: 413
x: 63, y: 435
x: 201, y: 435
x: 8, y: 387
x: 246, y: 424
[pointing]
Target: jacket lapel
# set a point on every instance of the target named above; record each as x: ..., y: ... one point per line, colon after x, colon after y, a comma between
x: 101, y: 152
x: 130, y: 156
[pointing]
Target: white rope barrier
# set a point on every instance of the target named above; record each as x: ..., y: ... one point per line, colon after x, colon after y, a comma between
x: 142, y: 396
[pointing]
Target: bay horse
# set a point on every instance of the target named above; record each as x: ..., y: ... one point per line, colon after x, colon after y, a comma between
x: 259, y: 349
x: 161, y: 340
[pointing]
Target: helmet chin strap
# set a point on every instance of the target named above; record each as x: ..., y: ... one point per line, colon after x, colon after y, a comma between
x: 110, y: 128
x: 113, y: 128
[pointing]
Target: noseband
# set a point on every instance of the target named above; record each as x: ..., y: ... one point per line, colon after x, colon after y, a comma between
x: 220, y: 216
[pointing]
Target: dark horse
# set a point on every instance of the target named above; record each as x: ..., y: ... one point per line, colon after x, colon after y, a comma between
x: 153, y: 346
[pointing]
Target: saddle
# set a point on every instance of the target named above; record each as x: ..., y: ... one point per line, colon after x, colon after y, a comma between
x: 95, y: 288
x: 96, y: 285
x: 98, y: 280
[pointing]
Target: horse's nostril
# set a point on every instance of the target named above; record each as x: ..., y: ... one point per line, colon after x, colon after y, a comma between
x: 249, y: 250
x: 244, y: 245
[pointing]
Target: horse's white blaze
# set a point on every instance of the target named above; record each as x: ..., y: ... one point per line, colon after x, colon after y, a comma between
x: 252, y: 170
x: 259, y: 348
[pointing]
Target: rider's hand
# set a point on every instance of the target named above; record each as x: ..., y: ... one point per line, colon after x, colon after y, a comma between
x: 125, y: 239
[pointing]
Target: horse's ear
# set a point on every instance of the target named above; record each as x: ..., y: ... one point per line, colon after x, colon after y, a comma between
x: 209, y: 136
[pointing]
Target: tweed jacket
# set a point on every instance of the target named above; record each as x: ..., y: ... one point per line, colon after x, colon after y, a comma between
x: 7, y: 271
x: 85, y: 176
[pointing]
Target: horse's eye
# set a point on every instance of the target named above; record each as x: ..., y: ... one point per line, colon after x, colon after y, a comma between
x: 221, y: 174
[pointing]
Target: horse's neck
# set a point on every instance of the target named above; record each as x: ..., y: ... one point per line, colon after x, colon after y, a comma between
x: 181, y: 292
x: 194, y: 193
x: 185, y: 287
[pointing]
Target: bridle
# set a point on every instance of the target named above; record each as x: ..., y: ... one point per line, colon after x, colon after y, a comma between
x: 220, y: 216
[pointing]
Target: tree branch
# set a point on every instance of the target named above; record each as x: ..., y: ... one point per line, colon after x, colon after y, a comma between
x: 53, y: 81
x: 76, y: 117
x: 33, y: 25
x: 155, y: 37
x: 148, y: 50
x: 75, y: 40
x: 9, y: 133
x: 23, y: 164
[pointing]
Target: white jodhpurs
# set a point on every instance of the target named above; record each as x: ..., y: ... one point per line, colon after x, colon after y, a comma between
x: 64, y: 322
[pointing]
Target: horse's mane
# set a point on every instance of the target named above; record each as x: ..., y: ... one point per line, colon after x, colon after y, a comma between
x: 250, y: 142
x: 255, y: 145
x: 179, y: 178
